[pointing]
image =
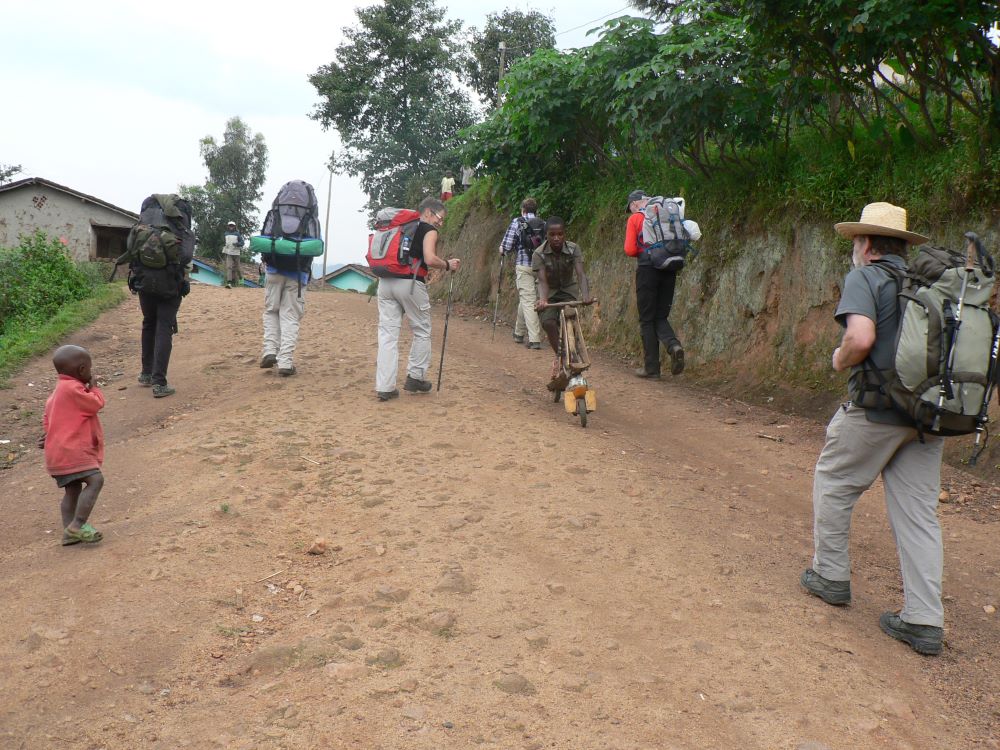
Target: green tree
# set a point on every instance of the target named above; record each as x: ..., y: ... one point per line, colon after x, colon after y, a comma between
x: 236, y: 171
x: 7, y: 171
x: 392, y: 96
x: 522, y: 33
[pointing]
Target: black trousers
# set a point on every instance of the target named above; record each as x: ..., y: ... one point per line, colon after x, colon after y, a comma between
x: 159, y: 324
x: 654, y: 293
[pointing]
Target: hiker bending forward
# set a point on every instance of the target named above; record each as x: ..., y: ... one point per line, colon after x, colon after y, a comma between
x: 559, y: 264
x: 408, y: 296
x: 863, y: 443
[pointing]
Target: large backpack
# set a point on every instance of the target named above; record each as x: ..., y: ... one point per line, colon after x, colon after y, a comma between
x: 531, y: 234
x: 665, y: 239
x: 290, y: 237
x: 943, y: 350
x: 389, y: 245
x: 160, y: 246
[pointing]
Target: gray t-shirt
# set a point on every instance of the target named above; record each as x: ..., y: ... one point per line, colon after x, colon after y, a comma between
x: 872, y: 292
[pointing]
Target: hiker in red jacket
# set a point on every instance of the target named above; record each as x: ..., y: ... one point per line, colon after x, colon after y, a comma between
x: 74, y: 442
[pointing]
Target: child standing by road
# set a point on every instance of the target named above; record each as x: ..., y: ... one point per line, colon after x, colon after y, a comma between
x: 74, y: 442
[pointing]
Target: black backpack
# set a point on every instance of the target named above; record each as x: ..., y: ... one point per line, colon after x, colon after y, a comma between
x: 294, y: 215
x: 160, y: 246
x: 531, y: 234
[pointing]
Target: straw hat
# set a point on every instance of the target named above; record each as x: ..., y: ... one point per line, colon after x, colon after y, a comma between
x: 883, y: 219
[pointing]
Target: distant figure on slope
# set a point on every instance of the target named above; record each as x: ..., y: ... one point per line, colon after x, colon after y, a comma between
x: 447, y: 186
x: 74, y: 442
x: 232, y: 246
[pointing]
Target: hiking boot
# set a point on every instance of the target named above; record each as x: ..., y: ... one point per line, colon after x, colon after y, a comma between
x: 642, y: 372
x: 518, y: 339
x: 676, y: 359
x: 160, y: 391
x: 287, y: 371
x: 831, y: 592
x: 534, y: 345
x: 417, y: 386
x: 386, y: 395
x: 268, y: 360
x: 145, y: 379
x: 924, y: 639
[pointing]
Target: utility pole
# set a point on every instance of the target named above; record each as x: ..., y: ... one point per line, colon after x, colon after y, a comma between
x: 503, y: 60
x: 326, y: 227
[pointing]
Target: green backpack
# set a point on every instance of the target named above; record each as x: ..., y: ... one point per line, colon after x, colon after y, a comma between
x: 944, y: 358
x: 156, y: 240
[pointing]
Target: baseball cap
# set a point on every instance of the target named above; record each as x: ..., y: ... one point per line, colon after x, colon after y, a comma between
x: 635, y: 195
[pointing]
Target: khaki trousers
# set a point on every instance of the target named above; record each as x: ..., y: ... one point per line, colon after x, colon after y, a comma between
x: 233, y: 271
x: 856, y: 452
x: 398, y: 297
x: 283, y: 309
x: 527, y: 316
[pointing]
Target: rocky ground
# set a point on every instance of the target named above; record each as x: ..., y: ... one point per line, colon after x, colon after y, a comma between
x: 489, y: 575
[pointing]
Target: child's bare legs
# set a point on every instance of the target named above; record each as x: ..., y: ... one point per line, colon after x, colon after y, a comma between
x: 79, y: 501
x: 551, y: 328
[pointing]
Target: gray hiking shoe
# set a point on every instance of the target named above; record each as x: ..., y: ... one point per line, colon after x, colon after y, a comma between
x: 534, y: 345
x: 831, y: 592
x: 386, y: 395
x: 287, y: 371
x: 924, y: 639
x: 642, y: 372
x: 268, y: 360
x: 160, y: 391
x: 145, y: 379
x: 518, y: 339
x: 417, y: 386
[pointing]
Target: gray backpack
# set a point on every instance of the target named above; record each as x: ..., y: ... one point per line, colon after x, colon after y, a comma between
x: 664, y: 237
x: 944, y: 355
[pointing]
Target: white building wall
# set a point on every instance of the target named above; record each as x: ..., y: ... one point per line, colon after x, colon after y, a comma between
x: 31, y: 207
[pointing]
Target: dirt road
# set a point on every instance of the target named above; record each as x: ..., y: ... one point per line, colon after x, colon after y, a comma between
x: 496, y: 576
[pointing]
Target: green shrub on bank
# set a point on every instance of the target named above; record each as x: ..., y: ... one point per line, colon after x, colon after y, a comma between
x: 37, y: 278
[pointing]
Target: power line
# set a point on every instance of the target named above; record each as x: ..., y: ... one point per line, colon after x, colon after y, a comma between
x: 607, y: 15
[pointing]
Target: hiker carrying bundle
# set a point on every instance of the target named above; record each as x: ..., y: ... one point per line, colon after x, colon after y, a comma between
x: 290, y: 237
x: 160, y: 247
x: 940, y: 368
x: 389, y: 245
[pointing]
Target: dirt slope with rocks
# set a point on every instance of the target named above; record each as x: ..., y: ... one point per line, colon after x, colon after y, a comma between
x: 494, y: 575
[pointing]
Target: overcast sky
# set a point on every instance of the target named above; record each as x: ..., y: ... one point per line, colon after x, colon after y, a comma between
x: 111, y: 97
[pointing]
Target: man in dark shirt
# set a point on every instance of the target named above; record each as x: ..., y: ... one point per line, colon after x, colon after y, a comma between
x: 863, y: 443
x: 399, y: 296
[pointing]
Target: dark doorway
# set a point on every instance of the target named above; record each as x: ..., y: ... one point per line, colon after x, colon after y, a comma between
x: 109, y: 242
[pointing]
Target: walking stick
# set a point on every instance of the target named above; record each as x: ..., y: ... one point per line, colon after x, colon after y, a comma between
x: 444, y: 340
x: 496, y: 305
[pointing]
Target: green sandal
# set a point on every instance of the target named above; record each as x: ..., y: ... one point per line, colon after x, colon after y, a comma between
x: 87, y: 534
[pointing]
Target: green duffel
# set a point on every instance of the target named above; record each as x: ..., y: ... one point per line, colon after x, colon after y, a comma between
x: 309, y: 247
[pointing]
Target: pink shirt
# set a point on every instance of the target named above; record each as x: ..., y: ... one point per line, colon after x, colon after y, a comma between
x: 74, y: 438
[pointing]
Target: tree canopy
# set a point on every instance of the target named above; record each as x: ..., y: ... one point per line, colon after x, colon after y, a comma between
x: 237, y: 168
x: 522, y: 33
x: 7, y: 171
x: 392, y: 95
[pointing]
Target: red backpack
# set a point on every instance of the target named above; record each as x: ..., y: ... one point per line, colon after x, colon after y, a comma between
x: 389, y: 245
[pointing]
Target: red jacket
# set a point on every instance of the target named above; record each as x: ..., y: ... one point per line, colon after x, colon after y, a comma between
x: 633, y: 235
x: 74, y: 438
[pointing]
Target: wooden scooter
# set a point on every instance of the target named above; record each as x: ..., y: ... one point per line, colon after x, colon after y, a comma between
x: 574, y: 359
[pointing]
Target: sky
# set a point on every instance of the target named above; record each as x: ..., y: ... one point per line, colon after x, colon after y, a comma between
x: 111, y: 97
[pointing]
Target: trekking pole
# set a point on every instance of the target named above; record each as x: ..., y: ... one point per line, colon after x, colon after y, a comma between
x: 945, y: 389
x: 991, y: 374
x: 444, y: 339
x: 496, y: 305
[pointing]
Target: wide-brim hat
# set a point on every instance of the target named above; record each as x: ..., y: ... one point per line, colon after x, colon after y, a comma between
x: 882, y: 219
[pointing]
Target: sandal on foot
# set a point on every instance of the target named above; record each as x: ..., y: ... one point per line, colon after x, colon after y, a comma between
x: 86, y: 534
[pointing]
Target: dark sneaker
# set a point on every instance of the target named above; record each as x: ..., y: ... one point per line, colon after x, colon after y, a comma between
x: 677, y: 360
x: 386, y: 395
x: 642, y: 372
x: 160, y: 391
x: 287, y: 371
x: 268, y: 360
x: 831, y: 592
x: 417, y: 386
x: 145, y: 379
x: 924, y: 639
x: 518, y: 339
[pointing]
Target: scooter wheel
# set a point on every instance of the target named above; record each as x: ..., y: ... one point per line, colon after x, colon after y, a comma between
x: 581, y: 411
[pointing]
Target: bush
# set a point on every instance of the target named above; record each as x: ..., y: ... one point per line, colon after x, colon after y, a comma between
x: 37, y: 278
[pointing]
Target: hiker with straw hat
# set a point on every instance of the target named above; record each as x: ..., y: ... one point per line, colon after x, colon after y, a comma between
x: 862, y: 444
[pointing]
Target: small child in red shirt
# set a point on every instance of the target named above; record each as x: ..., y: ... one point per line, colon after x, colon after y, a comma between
x: 74, y: 442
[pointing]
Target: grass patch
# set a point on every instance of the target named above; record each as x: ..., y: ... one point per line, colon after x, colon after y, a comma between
x: 26, y: 340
